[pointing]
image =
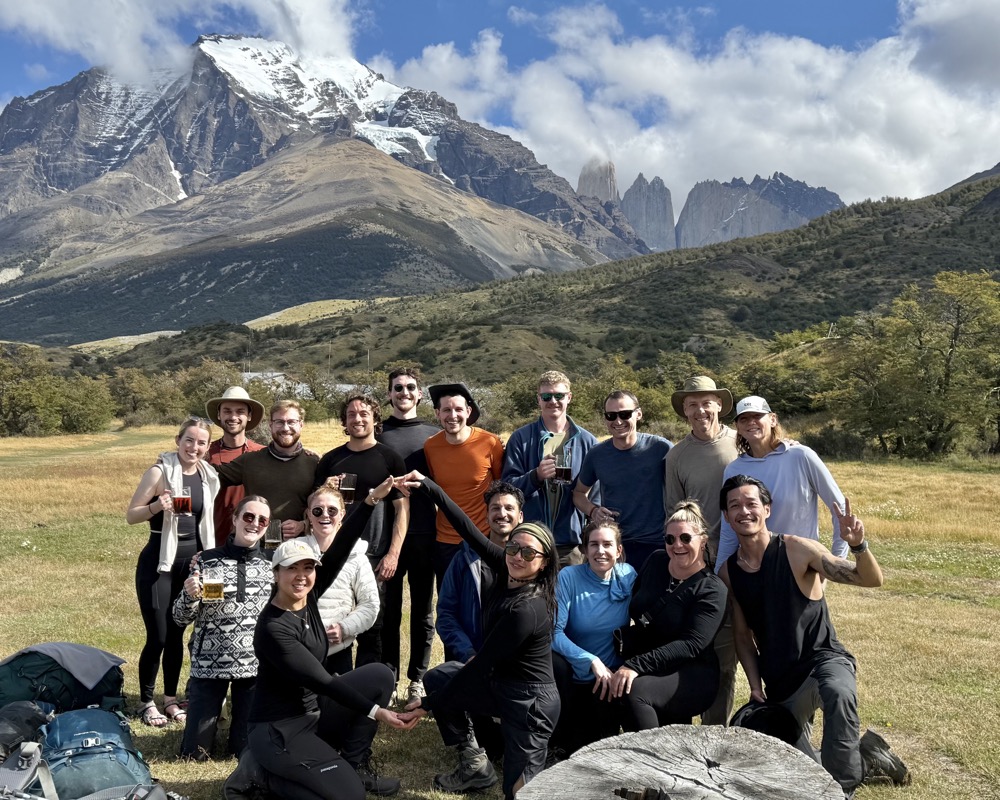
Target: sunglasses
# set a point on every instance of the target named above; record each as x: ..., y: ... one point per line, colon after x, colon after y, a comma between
x: 332, y: 511
x: 410, y: 387
x: 546, y: 396
x: 527, y: 553
x: 260, y: 519
x: 684, y: 537
x: 624, y: 414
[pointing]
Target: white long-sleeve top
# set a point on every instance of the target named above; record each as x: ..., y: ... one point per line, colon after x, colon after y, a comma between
x: 797, y: 479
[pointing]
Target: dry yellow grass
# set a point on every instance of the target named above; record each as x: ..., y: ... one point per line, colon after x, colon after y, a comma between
x: 926, y: 643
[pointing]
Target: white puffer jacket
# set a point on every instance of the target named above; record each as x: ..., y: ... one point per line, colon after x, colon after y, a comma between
x: 352, y: 600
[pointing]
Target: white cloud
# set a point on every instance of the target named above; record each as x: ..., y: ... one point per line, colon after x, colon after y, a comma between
x: 37, y: 73
x: 131, y: 37
x: 956, y: 40
x: 478, y: 83
x: 904, y: 116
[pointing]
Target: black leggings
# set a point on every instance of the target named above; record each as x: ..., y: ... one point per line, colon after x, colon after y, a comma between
x: 672, y: 699
x: 300, y: 754
x: 156, y: 592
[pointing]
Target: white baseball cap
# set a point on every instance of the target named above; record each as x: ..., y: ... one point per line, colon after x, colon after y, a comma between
x: 752, y: 405
x: 292, y: 551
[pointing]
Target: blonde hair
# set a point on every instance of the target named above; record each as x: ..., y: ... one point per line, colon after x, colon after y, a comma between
x: 285, y: 405
x: 195, y: 422
x: 328, y: 487
x: 552, y: 377
x: 688, y: 511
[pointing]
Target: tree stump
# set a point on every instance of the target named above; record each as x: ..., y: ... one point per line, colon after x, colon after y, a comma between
x: 686, y: 762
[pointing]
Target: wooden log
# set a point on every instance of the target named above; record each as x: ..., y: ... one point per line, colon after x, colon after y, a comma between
x: 686, y: 762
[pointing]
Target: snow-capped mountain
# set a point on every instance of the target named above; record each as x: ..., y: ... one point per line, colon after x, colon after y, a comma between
x: 120, y: 149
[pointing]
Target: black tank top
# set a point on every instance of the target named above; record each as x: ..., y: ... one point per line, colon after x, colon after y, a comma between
x: 793, y: 633
x: 187, y: 525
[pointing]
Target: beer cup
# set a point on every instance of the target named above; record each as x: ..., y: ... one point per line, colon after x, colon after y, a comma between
x: 212, y: 584
x: 348, y: 483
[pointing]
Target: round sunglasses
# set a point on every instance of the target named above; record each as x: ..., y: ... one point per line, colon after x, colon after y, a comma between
x: 332, y: 511
x: 260, y: 519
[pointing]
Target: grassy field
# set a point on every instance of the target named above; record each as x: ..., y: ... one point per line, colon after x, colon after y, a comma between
x: 927, y: 643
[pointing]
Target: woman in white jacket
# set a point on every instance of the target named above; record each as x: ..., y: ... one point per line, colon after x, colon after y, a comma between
x: 176, y: 497
x: 349, y: 607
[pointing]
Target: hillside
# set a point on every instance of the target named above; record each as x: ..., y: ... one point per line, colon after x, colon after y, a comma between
x: 715, y: 301
x: 330, y: 218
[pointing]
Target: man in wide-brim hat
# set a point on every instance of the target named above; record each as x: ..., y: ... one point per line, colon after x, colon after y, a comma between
x: 235, y: 412
x: 695, y: 467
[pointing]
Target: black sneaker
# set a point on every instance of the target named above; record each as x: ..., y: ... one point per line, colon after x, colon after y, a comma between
x: 881, y: 765
x: 375, y: 783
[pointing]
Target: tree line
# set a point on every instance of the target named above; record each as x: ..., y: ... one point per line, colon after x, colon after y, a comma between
x: 918, y: 377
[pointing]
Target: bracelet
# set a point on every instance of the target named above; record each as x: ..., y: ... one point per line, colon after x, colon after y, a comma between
x: 861, y: 548
x: 150, y: 507
x: 375, y: 500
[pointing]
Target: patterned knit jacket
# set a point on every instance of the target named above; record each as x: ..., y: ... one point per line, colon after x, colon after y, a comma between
x: 222, y: 643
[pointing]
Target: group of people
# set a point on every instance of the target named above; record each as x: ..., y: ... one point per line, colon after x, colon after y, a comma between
x: 584, y: 586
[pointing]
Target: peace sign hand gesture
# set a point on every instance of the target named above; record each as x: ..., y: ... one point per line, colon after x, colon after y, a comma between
x: 852, y: 529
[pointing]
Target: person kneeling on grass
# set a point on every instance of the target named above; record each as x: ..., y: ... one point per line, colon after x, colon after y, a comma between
x: 221, y: 645
x: 785, y: 639
x: 311, y: 731
x: 511, y: 674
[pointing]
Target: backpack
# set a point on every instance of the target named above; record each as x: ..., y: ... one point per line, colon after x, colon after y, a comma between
x: 90, y: 751
x: 20, y: 722
x: 31, y: 675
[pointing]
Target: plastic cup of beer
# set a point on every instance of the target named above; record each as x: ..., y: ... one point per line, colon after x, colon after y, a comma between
x: 212, y: 584
x: 182, y: 502
x: 272, y: 536
x: 348, y: 483
x: 564, y: 469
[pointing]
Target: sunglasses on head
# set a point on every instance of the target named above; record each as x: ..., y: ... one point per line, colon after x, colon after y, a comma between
x: 624, y: 414
x: 527, y: 553
x: 331, y: 511
x: 684, y: 537
x: 260, y: 519
x: 546, y: 396
x: 410, y: 387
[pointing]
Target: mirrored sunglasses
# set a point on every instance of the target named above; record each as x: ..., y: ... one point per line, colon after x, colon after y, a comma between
x: 547, y: 396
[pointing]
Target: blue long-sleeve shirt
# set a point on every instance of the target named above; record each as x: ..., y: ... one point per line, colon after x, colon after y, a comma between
x: 523, y: 453
x: 589, y: 610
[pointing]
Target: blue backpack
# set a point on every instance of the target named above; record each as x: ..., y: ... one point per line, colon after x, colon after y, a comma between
x: 90, y: 752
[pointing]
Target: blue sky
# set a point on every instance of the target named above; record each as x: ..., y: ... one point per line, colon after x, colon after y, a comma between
x: 866, y: 97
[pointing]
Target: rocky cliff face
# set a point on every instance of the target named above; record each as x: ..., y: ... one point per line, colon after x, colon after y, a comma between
x: 717, y: 212
x: 598, y: 179
x: 648, y: 207
x: 243, y: 101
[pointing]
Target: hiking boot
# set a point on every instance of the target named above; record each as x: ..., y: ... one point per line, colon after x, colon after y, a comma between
x: 247, y: 782
x: 415, y: 691
x: 474, y: 772
x: 375, y: 783
x: 881, y: 765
